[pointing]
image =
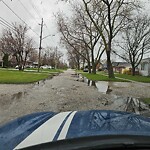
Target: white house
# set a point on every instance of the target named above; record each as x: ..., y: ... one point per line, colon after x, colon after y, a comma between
x: 144, y: 67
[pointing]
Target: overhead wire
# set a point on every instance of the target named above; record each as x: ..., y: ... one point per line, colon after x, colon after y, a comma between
x: 5, y: 23
x: 19, y: 17
x: 36, y: 10
x: 44, y: 21
x: 28, y: 11
x: 8, y: 25
x: 38, y: 13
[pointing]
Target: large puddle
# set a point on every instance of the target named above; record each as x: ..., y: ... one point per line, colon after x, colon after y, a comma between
x: 128, y: 104
x: 105, y: 87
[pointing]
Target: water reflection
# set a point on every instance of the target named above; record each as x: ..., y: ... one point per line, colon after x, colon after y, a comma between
x: 102, y: 86
x: 105, y: 86
x: 119, y: 103
x: 91, y: 83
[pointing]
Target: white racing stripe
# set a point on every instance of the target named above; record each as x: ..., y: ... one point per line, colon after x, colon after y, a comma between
x: 45, y: 133
x: 65, y: 128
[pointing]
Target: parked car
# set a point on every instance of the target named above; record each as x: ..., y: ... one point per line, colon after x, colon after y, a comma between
x: 46, y: 67
x: 17, y: 67
x: 92, y: 130
x: 85, y: 70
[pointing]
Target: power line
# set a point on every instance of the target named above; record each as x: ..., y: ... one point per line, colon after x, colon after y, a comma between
x: 44, y: 22
x: 18, y: 17
x: 6, y: 24
x: 5, y: 21
x: 3, y: 24
x: 32, y: 15
x: 39, y: 15
x: 27, y: 11
x: 36, y: 10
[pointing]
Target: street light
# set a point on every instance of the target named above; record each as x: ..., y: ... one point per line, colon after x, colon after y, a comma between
x: 48, y: 36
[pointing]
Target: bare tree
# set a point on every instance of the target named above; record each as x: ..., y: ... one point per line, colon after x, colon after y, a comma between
x: 90, y: 36
x: 70, y: 39
x: 80, y: 33
x: 74, y: 58
x: 136, y: 41
x: 15, y: 42
x: 33, y: 56
x: 52, y: 57
x: 112, y: 15
x: 5, y: 44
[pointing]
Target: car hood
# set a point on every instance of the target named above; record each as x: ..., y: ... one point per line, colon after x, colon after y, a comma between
x: 43, y: 127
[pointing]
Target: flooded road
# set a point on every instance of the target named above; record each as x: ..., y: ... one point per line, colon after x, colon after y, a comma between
x: 65, y: 93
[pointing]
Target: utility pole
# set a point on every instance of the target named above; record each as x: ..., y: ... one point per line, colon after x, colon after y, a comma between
x: 40, y: 47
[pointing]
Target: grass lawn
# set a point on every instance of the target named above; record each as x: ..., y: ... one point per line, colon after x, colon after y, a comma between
x: 20, y: 77
x: 146, y: 100
x: 134, y: 78
x: 100, y: 77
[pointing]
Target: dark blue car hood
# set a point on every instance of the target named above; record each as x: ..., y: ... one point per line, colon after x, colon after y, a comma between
x: 46, y: 127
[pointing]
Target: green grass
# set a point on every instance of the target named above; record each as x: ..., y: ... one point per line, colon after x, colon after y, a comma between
x: 146, y: 100
x: 134, y: 78
x: 100, y: 77
x: 20, y: 77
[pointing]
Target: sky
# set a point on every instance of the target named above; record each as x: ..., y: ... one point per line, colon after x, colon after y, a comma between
x: 32, y: 11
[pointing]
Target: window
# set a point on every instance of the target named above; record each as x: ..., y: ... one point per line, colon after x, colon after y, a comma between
x: 144, y: 66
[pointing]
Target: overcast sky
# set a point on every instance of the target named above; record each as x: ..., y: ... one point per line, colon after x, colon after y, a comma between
x: 31, y: 11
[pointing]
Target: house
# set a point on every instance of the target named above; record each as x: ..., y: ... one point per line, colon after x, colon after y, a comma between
x: 99, y: 66
x: 119, y: 66
x: 144, y: 67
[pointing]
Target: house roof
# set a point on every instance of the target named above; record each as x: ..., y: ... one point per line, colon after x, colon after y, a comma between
x: 119, y: 64
x: 146, y: 59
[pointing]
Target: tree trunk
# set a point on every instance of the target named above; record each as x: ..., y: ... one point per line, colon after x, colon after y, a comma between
x: 83, y: 65
x: 89, y: 67
x: 133, y: 71
x: 93, y: 84
x: 20, y: 67
x: 93, y: 62
x: 78, y: 66
x: 109, y: 66
x: 5, y: 61
x: 94, y: 68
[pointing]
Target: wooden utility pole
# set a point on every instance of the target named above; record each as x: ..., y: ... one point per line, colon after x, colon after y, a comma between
x: 40, y: 47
